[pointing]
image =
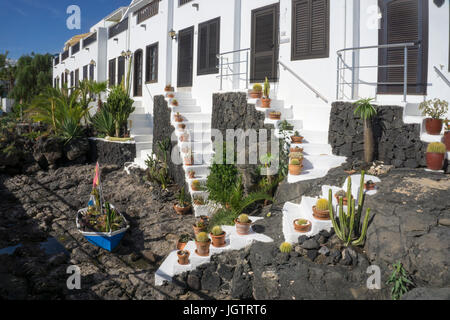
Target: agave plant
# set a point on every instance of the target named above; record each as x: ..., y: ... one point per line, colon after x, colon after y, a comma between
x: 103, y: 122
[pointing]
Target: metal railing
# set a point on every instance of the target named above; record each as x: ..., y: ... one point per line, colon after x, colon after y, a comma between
x: 148, y: 11
x: 91, y: 39
x: 118, y: 28
x: 75, y: 48
x: 441, y: 75
x: 228, y: 69
x: 317, y: 93
x: 342, y: 66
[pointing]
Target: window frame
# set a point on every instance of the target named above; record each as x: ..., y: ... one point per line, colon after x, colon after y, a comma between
x: 208, y: 70
x: 147, y: 62
x: 310, y: 55
x: 112, y: 72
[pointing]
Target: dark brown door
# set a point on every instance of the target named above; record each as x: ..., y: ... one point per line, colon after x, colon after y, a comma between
x: 120, y: 70
x: 185, y: 57
x: 404, y: 21
x: 138, y: 73
x: 264, y: 45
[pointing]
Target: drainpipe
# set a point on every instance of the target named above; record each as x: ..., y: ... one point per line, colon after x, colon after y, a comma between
x: 237, y: 42
x: 169, y: 47
x: 356, y: 43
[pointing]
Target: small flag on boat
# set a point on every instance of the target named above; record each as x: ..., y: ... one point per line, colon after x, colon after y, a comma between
x: 96, y: 181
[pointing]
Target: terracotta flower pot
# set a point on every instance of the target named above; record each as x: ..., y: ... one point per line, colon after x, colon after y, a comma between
x: 197, y: 230
x: 295, y: 170
x: 218, y: 241
x: 178, y: 119
x: 191, y: 174
x: 204, y: 219
x: 369, y: 186
x: 435, y: 161
x: 274, y: 116
x: 188, y: 161
x: 169, y: 89
x: 195, y: 187
x: 433, y: 126
x: 304, y: 228
x: 175, y: 103
x: 181, y: 245
x: 181, y: 211
x: 242, y: 228
x: 296, y: 149
x: 203, y: 248
x: 265, y: 103
x: 184, y: 138
x: 321, y: 215
x: 295, y: 139
x: 344, y: 199
x: 255, y: 94
x: 170, y: 96
x: 183, y: 257
x: 182, y: 126
x: 447, y: 140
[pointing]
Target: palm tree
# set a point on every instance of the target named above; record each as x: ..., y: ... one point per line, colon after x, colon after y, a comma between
x: 97, y: 88
x: 366, y: 111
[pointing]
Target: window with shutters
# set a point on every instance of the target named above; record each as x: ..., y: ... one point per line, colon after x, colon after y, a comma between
x: 310, y: 29
x: 91, y: 72
x: 120, y: 69
x: 85, y: 72
x: 151, y: 63
x: 112, y: 72
x: 77, y: 77
x: 208, y: 47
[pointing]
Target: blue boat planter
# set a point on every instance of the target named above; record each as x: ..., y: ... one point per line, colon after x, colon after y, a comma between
x: 104, y: 240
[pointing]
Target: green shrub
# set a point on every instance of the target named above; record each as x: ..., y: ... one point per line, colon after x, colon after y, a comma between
x: 434, y: 108
x: 400, y: 281
x: 103, y: 122
x: 120, y: 105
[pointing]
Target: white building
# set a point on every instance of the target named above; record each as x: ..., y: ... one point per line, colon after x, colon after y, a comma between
x: 313, y: 51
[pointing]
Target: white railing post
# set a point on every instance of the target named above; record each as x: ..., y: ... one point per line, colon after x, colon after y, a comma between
x: 338, y: 78
x: 405, y: 79
x: 221, y: 72
x: 246, y: 71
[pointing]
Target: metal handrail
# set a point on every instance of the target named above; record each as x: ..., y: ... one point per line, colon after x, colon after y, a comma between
x: 441, y: 75
x: 345, y: 66
x: 227, y: 64
x: 318, y: 94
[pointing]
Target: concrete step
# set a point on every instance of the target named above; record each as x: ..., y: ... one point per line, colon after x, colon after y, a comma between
x: 196, y: 126
x: 199, y: 169
x: 412, y: 109
x: 315, y: 117
x: 143, y: 138
x: 198, y: 147
x: 137, y: 103
x: 314, y: 148
x: 143, y: 146
x: 138, y: 110
x: 141, y: 131
x: 196, y: 117
x: 186, y: 109
x: 315, y: 137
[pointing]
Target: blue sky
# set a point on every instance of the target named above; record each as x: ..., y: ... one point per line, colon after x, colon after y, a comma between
x: 40, y: 25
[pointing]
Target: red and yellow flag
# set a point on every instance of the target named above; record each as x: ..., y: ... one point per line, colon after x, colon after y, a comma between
x: 96, y: 181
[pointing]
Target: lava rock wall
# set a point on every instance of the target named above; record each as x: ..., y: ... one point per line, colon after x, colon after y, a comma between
x: 107, y: 152
x: 396, y: 143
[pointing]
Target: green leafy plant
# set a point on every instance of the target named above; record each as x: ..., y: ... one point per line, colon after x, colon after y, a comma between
x: 366, y: 111
x: 286, y: 247
x: 348, y: 226
x: 436, y: 147
x: 120, y: 105
x: 103, y: 122
x: 286, y: 126
x: 183, y: 201
x: 400, y: 281
x: 434, y: 109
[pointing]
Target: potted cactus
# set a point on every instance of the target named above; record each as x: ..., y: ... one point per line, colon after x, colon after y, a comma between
x: 296, y: 155
x: 191, y: 174
x: 202, y: 241
x: 183, y: 257
x: 296, y: 149
x: 174, y: 102
x: 297, y: 138
x: 295, y: 167
x: 182, y: 241
x: 321, y: 210
x: 178, y: 117
x: 183, y: 206
x: 369, y: 185
x: 181, y: 127
x: 302, y: 225
x: 199, y: 201
x: 243, y: 224
x: 256, y: 93
x: 189, y: 159
x: 196, y: 185
x: 435, y: 155
x: 266, y: 100
x: 285, y: 247
x: 342, y: 194
x: 275, y: 115
x: 218, y: 237
x: 434, y: 110
x: 199, y: 226
x: 447, y: 134
x: 168, y: 88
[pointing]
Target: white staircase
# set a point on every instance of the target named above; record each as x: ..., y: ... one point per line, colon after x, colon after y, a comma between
x: 142, y: 132
x: 198, y: 128
x: 312, y: 124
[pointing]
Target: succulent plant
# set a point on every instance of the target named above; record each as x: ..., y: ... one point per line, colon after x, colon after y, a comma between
x: 275, y: 113
x: 436, y: 147
x: 184, y: 238
x: 257, y: 87
x: 200, y: 224
x: 202, y: 237
x: 296, y: 155
x: 295, y: 162
x: 302, y: 222
x: 322, y: 204
x: 217, y: 231
x: 286, y: 247
x: 174, y: 101
x: 243, y: 218
x: 296, y: 134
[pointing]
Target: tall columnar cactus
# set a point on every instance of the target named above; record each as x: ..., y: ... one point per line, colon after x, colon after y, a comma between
x: 348, y: 225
